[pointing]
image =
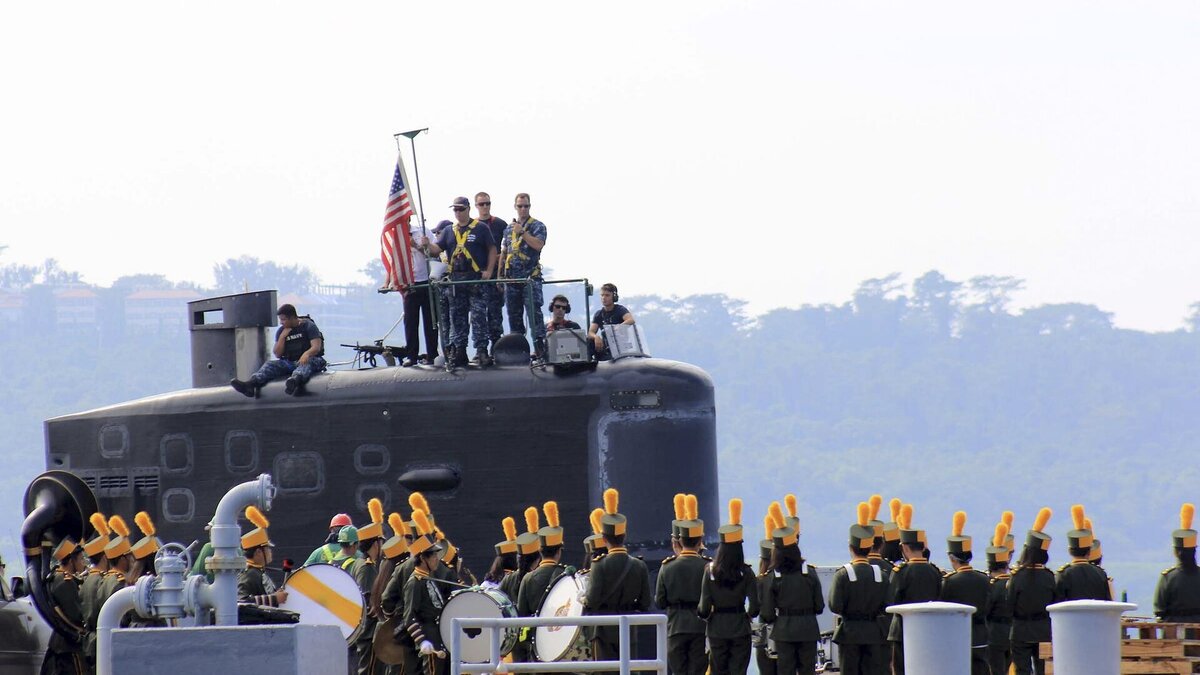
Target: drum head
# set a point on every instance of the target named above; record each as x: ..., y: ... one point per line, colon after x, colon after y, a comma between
x: 554, y: 643
x: 476, y: 643
x: 387, y: 650
x: 325, y: 595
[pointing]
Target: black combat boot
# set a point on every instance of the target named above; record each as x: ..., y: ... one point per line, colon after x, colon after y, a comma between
x: 481, y: 357
x: 247, y: 389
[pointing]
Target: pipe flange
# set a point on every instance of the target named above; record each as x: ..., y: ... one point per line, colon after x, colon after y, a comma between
x: 143, y: 594
x: 215, y: 564
x: 193, y: 600
x: 266, y: 491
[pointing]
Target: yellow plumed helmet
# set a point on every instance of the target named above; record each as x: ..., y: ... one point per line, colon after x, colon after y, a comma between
x: 894, y: 506
x: 1043, y: 517
x: 551, y: 511
x: 510, y: 528
x: 1077, y: 516
x: 99, y: 522
x: 876, y: 501
x: 1007, y: 519
x: 595, y: 517
x: 144, y: 523
x: 422, y: 521
x: 776, y: 515
x: 1000, y: 535
x: 789, y: 500
x: 1186, y: 513
x: 117, y: 524
x: 679, y: 508
x: 768, y: 524
x: 735, y: 511
x: 397, y: 524
x: 691, y: 508
x: 531, y: 519
x: 905, y: 518
x: 1087, y: 524
x: 255, y: 516
x: 375, y: 508
x: 864, y: 513
x: 416, y: 501
x: 958, y: 523
x: 611, y: 497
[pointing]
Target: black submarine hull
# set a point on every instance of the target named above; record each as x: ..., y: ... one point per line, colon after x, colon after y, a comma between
x: 479, y: 444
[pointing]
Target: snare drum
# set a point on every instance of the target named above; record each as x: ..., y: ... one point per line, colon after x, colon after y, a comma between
x: 562, y: 643
x: 325, y: 595
x: 477, y: 603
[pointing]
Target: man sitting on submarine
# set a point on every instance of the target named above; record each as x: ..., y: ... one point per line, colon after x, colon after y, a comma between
x: 299, y: 354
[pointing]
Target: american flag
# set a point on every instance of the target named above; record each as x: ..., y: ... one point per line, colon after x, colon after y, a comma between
x: 396, y: 241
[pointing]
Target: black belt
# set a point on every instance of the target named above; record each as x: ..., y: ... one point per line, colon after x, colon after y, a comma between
x: 860, y: 617
x: 794, y: 612
x: 683, y: 605
x: 729, y: 610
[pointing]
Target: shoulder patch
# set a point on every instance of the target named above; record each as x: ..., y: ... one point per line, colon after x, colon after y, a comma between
x: 669, y: 559
x: 1168, y: 570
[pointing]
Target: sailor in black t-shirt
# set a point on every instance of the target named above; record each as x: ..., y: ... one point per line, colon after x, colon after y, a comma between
x: 299, y: 354
x: 609, y: 314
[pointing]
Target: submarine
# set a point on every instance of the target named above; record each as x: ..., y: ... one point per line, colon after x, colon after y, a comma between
x: 479, y: 443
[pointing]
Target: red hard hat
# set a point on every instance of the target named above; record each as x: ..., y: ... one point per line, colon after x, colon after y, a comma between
x: 340, y: 520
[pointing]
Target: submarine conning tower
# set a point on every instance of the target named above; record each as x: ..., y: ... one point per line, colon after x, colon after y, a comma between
x: 229, y: 336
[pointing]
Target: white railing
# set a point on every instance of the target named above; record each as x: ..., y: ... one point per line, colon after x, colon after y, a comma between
x: 623, y: 621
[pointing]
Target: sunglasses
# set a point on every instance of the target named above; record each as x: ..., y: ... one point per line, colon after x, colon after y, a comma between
x: 483, y: 203
x: 562, y: 307
x: 520, y: 206
x: 459, y: 208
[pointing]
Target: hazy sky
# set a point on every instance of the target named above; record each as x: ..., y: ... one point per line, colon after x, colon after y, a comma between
x: 780, y: 152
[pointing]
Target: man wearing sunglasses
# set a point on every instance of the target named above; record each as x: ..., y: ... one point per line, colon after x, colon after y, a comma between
x: 472, y: 253
x: 522, y: 255
x: 493, y: 293
x: 559, y: 306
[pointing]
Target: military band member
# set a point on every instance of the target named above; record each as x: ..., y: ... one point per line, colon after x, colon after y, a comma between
x: 1096, y: 557
x: 120, y: 561
x: 505, y: 561
x: 143, y: 564
x: 913, y: 581
x: 528, y: 547
x: 364, y: 570
x: 1177, y: 596
x: 968, y: 586
x: 858, y: 596
x: 89, y: 590
x: 620, y: 583
x: 393, y: 552
x: 678, y: 592
x: 1010, y: 540
x: 679, y: 503
x: 999, y: 616
x: 453, y: 568
x: 887, y: 535
x: 253, y: 584
x: 764, y: 653
x: 65, y: 654
x: 1030, y: 591
x: 792, y: 600
x: 891, y: 534
x: 423, y: 598
x: 594, y: 546
x: 728, y: 586
x: 1080, y: 579
x: 535, y: 584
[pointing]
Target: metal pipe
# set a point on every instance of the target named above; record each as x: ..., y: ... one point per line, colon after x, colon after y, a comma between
x: 114, y: 608
x: 227, y: 561
x: 1087, y: 636
x: 937, y: 637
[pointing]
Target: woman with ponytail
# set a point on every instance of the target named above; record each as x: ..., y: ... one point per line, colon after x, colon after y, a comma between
x: 728, y: 586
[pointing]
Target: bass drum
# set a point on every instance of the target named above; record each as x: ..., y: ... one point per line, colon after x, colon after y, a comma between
x: 325, y: 595
x: 477, y: 603
x: 562, y: 643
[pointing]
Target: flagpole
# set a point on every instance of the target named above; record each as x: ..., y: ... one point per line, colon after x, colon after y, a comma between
x: 412, y: 136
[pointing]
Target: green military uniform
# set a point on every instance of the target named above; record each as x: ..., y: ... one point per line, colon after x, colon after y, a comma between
x: 1029, y: 592
x: 89, y: 592
x: 678, y: 591
x: 255, y: 587
x: 999, y: 624
x: 423, y: 603
x: 64, y: 653
x: 534, y: 585
x: 364, y: 571
x: 620, y: 584
x: 969, y: 586
x: 790, y: 604
x: 1081, y: 580
x: 858, y: 596
x: 728, y: 620
x: 528, y: 543
x: 913, y: 581
x: 392, y: 603
x: 1177, y: 596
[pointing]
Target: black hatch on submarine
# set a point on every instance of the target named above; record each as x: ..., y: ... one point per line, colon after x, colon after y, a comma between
x: 480, y: 444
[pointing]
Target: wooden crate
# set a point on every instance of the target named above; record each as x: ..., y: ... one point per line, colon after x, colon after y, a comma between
x: 1151, y: 648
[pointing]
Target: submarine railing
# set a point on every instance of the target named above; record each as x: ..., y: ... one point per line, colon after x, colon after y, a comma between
x: 625, y: 662
x: 436, y: 300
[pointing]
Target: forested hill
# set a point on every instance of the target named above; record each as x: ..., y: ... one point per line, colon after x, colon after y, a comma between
x: 936, y: 392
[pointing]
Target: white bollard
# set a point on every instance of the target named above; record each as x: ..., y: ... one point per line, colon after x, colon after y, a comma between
x: 1087, y: 636
x: 937, y: 637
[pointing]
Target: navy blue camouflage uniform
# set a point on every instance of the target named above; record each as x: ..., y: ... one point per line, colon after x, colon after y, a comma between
x: 494, y: 293
x: 521, y: 261
x: 298, y: 342
x: 468, y: 304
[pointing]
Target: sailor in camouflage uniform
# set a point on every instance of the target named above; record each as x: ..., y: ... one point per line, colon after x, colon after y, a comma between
x: 64, y: 654
x: 858, y: 596
x: 999, y: 616
x: 678, y: 591
x: 472, y: 257
x: 728, y: 586
x: 253, y: 584
x: 1080, y: 579
x: 914, y: 580
x: 1030, y: 591
x: 521, y: 253
x: 620, y: 583
x: 968, y: 586
x: 792, y: 600
x: 1177, y: 597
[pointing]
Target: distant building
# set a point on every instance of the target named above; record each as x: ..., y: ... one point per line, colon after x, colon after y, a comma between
x: 158, y: 311
x: 76, y: 309
x: 12, y: 308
